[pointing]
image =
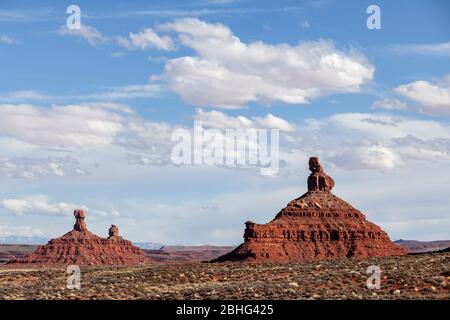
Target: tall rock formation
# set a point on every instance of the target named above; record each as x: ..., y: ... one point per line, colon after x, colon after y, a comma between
x: 318, y: 225
x: 82, y: 247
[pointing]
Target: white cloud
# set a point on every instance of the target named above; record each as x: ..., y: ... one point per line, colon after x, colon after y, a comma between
x: 41, y: 205
x: 23, y: 95
x: 148, y: 38
x: 228, y: 73
x: 271, y: 121
x: 88, y: 33
x: 386, y: 126
x: 37, y: 205
x: 357, y: 141
x: 351, y: 141
x: 434, y: 49
x: 145, y: 39
x: 431, y: 97
x: 31, y: 168
x: 8, y: 40
x: 366, y: 157
x: 19, y: 231
x: 150, y: 139
x: 85, y: 125
x: 219, y: 120
x: 94, y: 127
x: 124, y: 92
x: 389, y: 104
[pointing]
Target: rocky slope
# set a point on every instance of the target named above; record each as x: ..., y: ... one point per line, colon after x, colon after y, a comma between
x: 82, y: 247
x: 317, y: 225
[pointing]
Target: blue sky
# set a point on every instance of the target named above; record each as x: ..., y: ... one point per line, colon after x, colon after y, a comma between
x: 86, y: 116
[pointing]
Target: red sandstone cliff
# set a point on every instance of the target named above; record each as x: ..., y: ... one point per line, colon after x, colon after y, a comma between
x: 317, y: 225
x: 82, y: 247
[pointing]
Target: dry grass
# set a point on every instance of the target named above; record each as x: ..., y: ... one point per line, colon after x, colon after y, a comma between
x: 424, y: 276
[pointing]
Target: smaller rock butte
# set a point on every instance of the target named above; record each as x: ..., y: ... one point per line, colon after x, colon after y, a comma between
x: 82, y: 247
x: 318, y: 225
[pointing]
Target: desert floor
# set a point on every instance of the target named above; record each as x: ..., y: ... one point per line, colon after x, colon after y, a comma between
x: 423, y: 276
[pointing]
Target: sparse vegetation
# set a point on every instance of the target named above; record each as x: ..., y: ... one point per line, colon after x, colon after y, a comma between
x: 424, y: 276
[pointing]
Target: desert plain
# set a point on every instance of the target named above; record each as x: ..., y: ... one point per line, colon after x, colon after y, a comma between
x: 417, y: 276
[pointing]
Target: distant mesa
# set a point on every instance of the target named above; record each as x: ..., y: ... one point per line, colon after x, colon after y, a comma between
x: 318, y: 225
x: 415, y: 246
x: 82, y: 247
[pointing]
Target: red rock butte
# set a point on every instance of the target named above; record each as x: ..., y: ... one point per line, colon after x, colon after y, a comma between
x: 318, y: 225
x: 82, y: 247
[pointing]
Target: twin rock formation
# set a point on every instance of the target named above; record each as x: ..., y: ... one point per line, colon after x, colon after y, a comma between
x: 82, y: 247
x: 318, y: 225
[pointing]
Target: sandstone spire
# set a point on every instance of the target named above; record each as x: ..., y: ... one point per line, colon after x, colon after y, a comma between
x: 317, y: 225
x: 82, y: 247
x: 113, y: 231
x: 318, y: 180
x: 80, y: 225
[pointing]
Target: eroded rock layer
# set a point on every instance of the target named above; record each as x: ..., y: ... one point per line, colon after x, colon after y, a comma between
x: 82, y: 247
x: 318, y: 225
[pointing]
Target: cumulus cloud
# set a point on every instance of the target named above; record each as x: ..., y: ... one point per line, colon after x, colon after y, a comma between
x: 32, y: 168
x: 389, y: 104
x: 88, y: 33
x: 150, y: 142
x: 37, y: 205
x: 357, y: 141
x: 19, y: 231
x: 88, y: 125
x: 220, y: 120
x: 366, y: 157
x: 23, y: 95
x: 431, y: 97
x: 145, y: 39
x: 228, y: 73
x: 225, y: 72
x: 41, y: 205
x: 271, y: 121
x: 351, y: 141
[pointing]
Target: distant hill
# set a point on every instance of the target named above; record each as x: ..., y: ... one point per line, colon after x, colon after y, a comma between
x: 34, y: 240
x: 166, y: 254
x: 415, y: 246
x: 9, y: 251
x: 148, y: 245
x: 187, y: 254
